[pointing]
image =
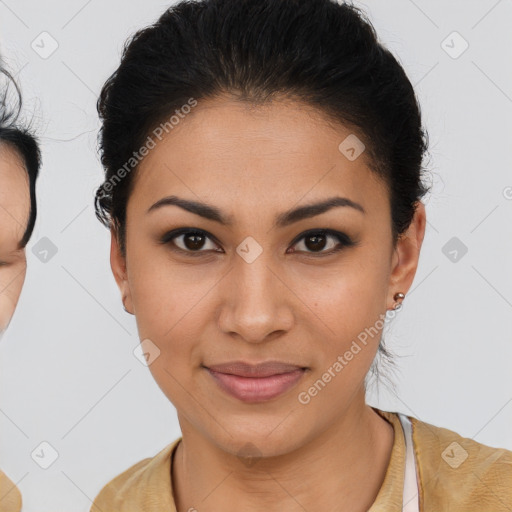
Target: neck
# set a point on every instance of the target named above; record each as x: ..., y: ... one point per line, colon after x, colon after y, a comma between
x: 343, y: 469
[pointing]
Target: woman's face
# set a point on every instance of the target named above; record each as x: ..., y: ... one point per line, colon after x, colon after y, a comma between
x: 254, y: 288
x: 14, y: 214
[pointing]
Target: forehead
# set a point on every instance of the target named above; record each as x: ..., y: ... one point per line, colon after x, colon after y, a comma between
x: 14, y: 197
x: 237, y: 153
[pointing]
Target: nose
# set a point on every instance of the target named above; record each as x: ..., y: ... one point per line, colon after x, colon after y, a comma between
x: 257, y: 304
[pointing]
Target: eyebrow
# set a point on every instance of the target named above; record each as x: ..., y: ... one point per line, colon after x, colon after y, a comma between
x: 283, y: 219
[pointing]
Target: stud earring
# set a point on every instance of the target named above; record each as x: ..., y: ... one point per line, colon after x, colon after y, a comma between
x: 396, y: 297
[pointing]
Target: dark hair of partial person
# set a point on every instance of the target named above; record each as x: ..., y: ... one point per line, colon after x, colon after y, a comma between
x: 319, y: 52
x: 19, y: 138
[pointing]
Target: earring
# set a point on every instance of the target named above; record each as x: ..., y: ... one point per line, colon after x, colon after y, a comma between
x: 398, y: 296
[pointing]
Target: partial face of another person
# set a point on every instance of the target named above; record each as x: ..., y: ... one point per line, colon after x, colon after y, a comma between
x: 260, y: 285
x: 14, y: 215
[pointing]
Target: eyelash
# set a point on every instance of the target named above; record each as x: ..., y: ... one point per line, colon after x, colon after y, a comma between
x: 343, y: 240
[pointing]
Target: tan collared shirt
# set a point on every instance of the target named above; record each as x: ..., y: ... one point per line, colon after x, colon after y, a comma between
x: 454, y: 474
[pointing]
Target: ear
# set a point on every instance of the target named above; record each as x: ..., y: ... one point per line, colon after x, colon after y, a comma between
x: 118, y: 265
x: 406, y: 255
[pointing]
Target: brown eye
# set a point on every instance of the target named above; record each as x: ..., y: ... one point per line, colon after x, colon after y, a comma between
x: 190, y: 240
x: 315, y: 242
x: 322, y: 242
x: 193, y: 241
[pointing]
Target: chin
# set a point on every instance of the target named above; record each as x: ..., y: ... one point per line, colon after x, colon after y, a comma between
x: 270, y: 439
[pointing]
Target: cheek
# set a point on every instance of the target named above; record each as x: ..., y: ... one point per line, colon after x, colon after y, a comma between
x: 347, y: 298
x: 346, y: 311
x: 168, y: 313
x: 170, y: 303
x: 351, y: 326
x: 167, y: 297
x: 11, y: 283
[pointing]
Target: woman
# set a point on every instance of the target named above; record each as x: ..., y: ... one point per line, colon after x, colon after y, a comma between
x: 263, y: 188
x: 19, y: 168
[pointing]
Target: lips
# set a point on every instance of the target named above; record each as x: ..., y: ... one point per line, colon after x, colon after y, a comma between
x: 265, y: 369
x: 256, y: 383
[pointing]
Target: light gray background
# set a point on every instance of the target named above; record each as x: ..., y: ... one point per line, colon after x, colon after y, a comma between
x: 68, y: 373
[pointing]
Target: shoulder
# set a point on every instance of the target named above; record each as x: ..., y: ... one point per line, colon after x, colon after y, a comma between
x: 117, y: 489
x: 131, y: 488
x: 459, y: 473
x: 9, y: 494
